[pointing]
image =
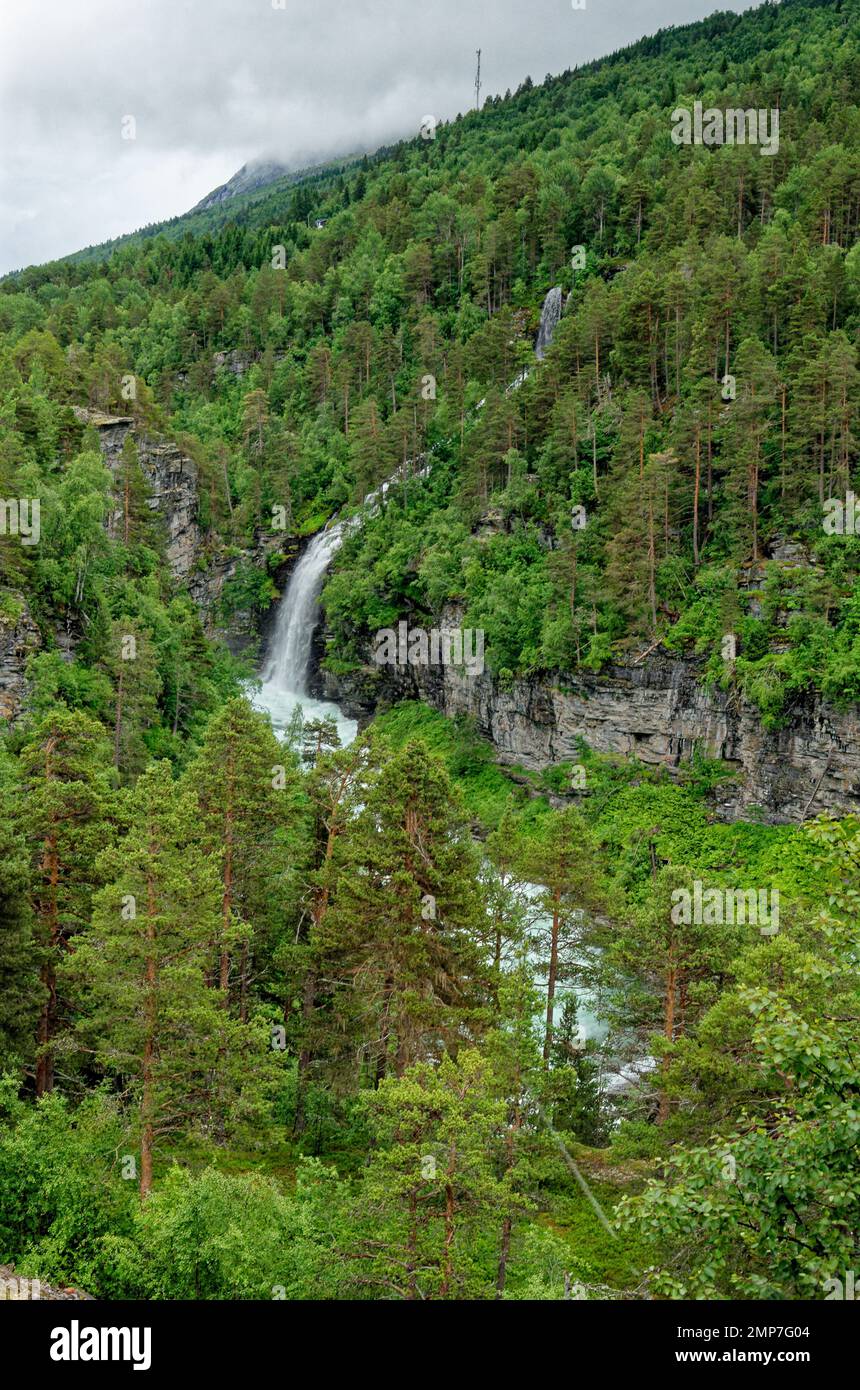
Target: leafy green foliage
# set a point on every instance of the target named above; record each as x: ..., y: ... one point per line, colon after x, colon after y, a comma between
x: 335, y: 1040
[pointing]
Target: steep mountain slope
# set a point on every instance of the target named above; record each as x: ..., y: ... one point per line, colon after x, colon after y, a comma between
x: 695, y: 411
x: 235, y: 201
x: 256, y: 174
x: 309, y: 1021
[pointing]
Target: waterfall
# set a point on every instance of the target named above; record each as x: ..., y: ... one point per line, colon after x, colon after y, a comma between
x: 286, y: 674
x: 287, y: 671
x: 549, y: 317
x: 298, y: 614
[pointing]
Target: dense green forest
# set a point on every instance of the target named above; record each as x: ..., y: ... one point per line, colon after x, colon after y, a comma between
x: 280, y: 1019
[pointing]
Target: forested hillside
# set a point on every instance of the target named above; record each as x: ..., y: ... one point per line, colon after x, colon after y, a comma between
x: 282, y: 1019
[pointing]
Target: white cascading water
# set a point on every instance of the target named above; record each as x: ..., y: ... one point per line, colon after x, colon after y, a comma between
x: 286, y: 674
x: 553, y: 307
x: 285, y: 677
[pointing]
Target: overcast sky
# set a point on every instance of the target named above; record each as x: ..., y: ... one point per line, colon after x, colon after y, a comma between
x: 213, y: 83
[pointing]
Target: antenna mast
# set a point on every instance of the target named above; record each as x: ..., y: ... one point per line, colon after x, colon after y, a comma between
x: 478, y: 83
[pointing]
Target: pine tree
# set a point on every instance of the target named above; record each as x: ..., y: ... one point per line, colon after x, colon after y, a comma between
x: 504, y: 888
x: 668, y: 965
x: 255, y: 419
x: 402, y: 917
x: 247, y: 798
x: 336, y: 789
x: 147, y: 1015
x: 566, y: 862
x: 429, y: 1190
x: 136, y: 518
x: 573, y: 1083
x: 319, y: 736
x: 516, y: 1068
x: 749, y: 421
x: 65, y: 817
x: 20, y: 988
x: 132, y: 663
x: 638, y: 540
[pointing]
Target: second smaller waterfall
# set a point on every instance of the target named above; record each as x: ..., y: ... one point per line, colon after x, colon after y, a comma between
x: 549, y: 317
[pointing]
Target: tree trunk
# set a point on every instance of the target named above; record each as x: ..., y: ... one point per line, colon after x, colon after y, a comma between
x: 309, y: 991
x: 503, y: 1257
x: 668, y: 1029
x: 227, y: 896
x: 147, y: 1105
x: 448, y: 1258
x: 652, y: 561
x: 244, y: 970
x: 47, y: 1019
x: 550, y: 984
x: 117, y: 728
x: 412, y: 1248
x: 385, y: 1034
x: 696, y: 487
x: 782, y: 448
x: 507, y: 1223
x: 48, y: 1016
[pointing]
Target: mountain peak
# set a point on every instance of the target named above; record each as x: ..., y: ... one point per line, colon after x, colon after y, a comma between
x: 255, y: 174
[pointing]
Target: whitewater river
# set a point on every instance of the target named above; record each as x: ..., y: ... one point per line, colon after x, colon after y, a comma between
x: 285, y: 678
x: 286, y: 672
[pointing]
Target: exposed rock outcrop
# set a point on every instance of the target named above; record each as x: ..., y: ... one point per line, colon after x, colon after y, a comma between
x: 196, y: 563
x: 19, y: 639
x: 238, y: 361
x: 171, y: 478
x: 269, y: 551
x: 657, y: 711
x: 257, y: 173
x: 201, y: 565
x: 18, y: 1288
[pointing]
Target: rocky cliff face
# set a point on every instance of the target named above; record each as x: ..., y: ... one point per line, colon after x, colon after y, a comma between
x: 257, y: 173
x: 656, y: 711
x: 171, y: 479
x: 198, y: 565
x: 19, y: 638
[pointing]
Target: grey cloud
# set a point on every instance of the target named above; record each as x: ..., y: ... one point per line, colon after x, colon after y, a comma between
x: 214, y: 83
